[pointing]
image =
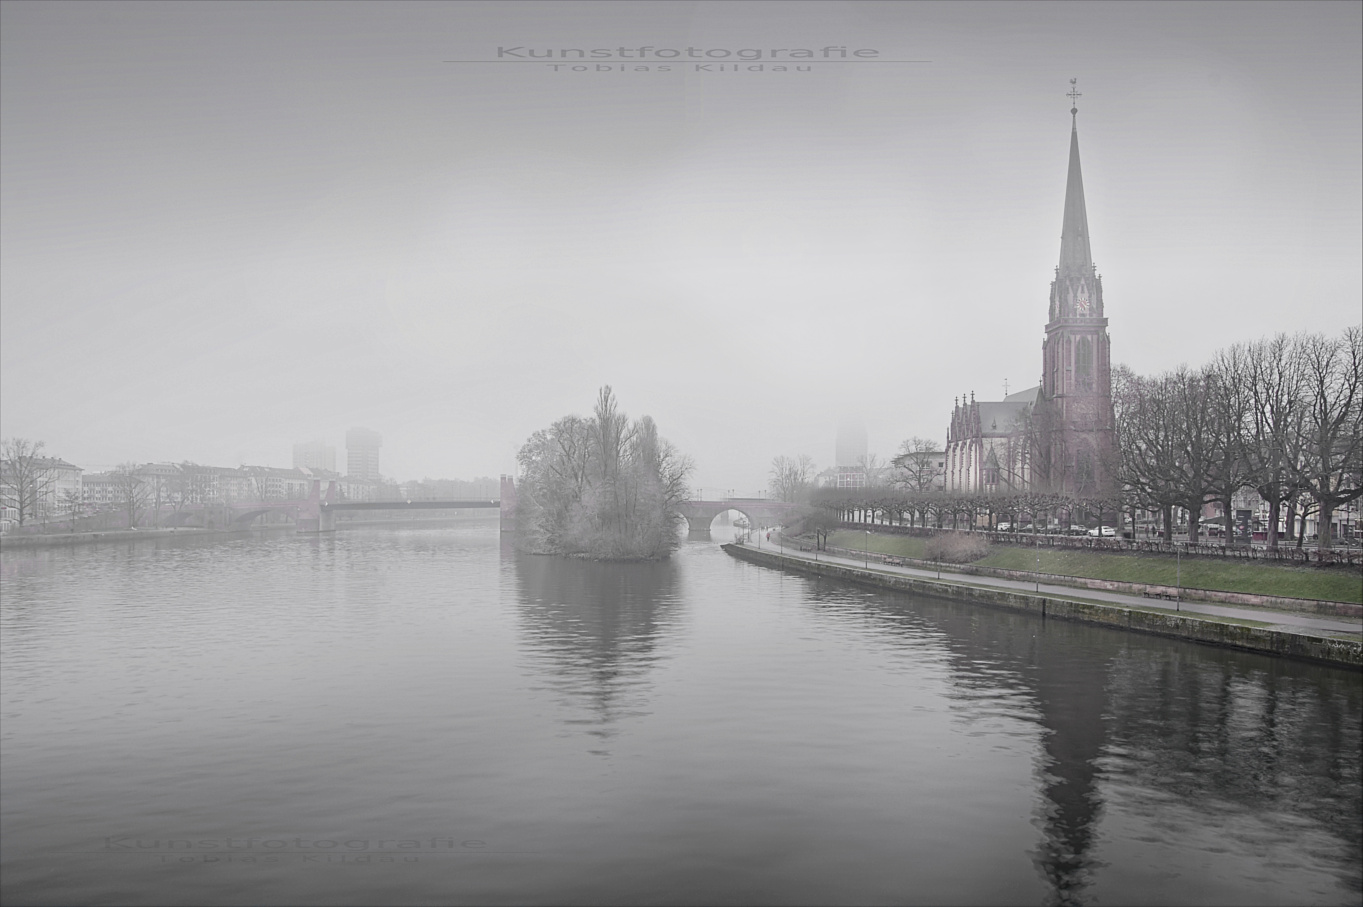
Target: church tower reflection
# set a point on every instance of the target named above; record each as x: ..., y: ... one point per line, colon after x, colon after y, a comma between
x: 1071, y: 698
x: 1062, y: 671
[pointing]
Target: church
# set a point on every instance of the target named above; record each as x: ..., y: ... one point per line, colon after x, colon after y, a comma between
x: 1059, y: 436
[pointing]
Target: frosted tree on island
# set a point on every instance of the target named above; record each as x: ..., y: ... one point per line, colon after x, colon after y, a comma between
x: 601, y: 487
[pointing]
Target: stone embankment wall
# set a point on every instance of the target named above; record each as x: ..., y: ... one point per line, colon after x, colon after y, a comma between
x: 1150, y: 590
x: 1339, y: 652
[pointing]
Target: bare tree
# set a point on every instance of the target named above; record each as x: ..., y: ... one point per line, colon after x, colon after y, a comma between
x: 1229, y: 403
x: 1148, y: 427
x: 916, y: 465
x: 870, y: 467
x: 1198, y: 444
x: 1331, y: 465
x: 180, y: 486
x: 129, y: 492
x: 611, y: 434
x: 73, y: 500
x: 26, y: 477
x: 791, y: 477
x: 1274, y: 431
x: 158, y: 491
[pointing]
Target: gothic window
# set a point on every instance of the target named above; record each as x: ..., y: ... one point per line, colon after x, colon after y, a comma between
x: 1083, y: 364
x: 1083, y: 471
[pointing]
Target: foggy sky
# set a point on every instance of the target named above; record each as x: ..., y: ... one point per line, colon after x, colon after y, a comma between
x: 225, y: 228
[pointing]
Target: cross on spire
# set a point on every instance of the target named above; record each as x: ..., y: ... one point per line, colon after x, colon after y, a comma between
x: 1074, y: 95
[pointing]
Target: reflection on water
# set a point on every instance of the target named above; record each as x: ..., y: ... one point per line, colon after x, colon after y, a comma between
x: 696, y: 731
x: 595, y: 630
x: 1252, y: 741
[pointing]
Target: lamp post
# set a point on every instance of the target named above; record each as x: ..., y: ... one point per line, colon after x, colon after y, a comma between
x: 867, y: 561
x: 1178, y: 577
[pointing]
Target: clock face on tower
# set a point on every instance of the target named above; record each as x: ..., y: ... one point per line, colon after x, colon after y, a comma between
x: 1081, y: 301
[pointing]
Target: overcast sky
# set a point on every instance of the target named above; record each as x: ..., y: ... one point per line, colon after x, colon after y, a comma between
x: 229, y: 227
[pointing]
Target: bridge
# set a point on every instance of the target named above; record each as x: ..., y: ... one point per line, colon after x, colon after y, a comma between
x: 759, y: 511
x: 317, y: 512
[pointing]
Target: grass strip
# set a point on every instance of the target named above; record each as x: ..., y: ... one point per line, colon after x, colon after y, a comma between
x: 1324, y: 583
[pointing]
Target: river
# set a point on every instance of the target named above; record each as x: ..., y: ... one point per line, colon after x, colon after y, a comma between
x: 419, y: 715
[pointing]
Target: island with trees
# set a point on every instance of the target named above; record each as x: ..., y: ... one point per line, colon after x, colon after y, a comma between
x: 601, y: 487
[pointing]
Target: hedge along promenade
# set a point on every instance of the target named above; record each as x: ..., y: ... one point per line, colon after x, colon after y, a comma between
x: 1266, y: 584
x: 1329, y: 650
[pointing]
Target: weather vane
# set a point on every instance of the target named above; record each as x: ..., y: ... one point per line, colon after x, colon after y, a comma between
x: 1074, y: 96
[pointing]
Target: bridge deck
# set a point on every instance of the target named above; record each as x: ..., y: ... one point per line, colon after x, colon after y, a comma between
x: 409, y: 505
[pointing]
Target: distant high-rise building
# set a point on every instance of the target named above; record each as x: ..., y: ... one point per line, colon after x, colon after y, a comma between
x: 851, y: 449
x: 314, y: 455
x: 362, y: 454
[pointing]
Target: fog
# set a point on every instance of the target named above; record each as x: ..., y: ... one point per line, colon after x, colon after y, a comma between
x: 225, y: 229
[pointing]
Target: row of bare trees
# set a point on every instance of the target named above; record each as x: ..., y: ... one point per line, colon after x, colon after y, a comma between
x: 940, y: 509
x: 29, y: 486
x: 1283, y: 416
x: 603, y: 486
x: 791, y: 478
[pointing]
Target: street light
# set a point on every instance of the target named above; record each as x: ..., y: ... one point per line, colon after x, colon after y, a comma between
x: 1037, y: 539
x: 1178, y: 577
x: 867, y: 562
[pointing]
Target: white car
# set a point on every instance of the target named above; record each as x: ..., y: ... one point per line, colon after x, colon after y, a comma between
x: 1107, y: 532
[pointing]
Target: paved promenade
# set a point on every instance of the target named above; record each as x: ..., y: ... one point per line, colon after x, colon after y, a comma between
x: 1289, y: 621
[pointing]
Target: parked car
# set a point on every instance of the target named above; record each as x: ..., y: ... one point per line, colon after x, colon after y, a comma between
x: 1107, y: 532
x: 1005, y: 527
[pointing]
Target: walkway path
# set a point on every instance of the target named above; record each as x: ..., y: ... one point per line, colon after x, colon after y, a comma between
x: 1275, y: 620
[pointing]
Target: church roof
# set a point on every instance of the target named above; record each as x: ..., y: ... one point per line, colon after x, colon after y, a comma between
x: 1075, y: 255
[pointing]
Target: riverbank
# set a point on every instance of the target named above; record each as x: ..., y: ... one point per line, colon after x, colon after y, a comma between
x: 1186, y: 576
x: 1307, y: 640
x: 117, y: 535
x: 103, y: 535
x: 1144, y: 590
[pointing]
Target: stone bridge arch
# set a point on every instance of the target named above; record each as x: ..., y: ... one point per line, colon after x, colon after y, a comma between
x: 759, y: 512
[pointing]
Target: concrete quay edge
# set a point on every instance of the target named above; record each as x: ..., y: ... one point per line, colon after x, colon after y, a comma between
x: 1345, y: 653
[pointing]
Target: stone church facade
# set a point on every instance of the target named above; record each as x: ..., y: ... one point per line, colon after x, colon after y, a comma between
x: 1060, y: 435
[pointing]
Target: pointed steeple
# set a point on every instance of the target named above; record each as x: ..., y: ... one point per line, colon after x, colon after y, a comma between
x: 1075, y: 256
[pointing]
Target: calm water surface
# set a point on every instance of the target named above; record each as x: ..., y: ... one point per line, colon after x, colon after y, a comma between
x: 421, y: 716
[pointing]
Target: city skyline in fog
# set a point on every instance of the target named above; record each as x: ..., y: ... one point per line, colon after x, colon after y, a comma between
x: 226, y: 228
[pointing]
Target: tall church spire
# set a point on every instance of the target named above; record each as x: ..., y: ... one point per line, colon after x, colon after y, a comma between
x: 1075, y: 443
x: 1075, y: 256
